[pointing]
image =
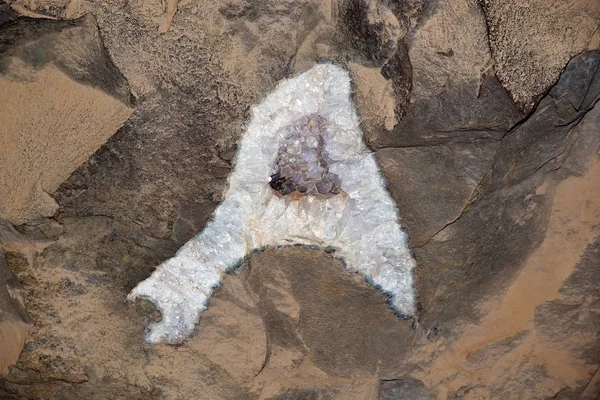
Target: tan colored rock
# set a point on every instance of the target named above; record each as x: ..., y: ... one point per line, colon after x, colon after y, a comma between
x: 56, y: 113
x: 230, y: 336
x: 78, y: 8
x: 15, y: 325
x: 329, y: 335
x: 532, y: 41
x: 13, y: 334
x: 374, y: 98
x: 450, y: 91
x: 449, y: 50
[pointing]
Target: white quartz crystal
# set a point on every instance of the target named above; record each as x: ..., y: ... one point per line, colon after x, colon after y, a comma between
x: 305, y: 134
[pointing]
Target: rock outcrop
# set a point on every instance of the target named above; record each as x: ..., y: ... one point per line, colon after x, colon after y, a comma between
x: 484, y: 120
x: 531, y: 41
x: 63, y: 99
x: 15, y: 324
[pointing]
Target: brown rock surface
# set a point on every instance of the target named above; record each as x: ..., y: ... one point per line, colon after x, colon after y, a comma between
x: 66, y: 99
x: 540, y: 335
x: 532, y: 40
x: 455, y: 95
x: 314, y: 307
x: 375, y: 98
x: 501, y: 211
x: 482, y: 248
x: 447, y: 174
x: 15, y: 325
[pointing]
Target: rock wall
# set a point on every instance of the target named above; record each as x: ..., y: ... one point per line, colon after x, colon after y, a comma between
x: 15, y: 324
x: 63, y: 99
x: 486, y: 134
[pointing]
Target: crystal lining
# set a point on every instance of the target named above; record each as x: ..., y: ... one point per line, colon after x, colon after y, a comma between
x: 302, y: 175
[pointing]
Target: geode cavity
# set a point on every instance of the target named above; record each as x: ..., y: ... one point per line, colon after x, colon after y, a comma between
x: 302, y: 164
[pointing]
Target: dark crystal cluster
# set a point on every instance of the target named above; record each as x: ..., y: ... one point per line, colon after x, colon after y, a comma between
x: 302, y: 164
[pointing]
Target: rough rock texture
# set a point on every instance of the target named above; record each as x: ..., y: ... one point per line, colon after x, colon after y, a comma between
x: 575, y: 310
x: 15, y: 325
x: 503, y: 218
x: 7, y: 14
x: 281, y: 194
x: 454, y: 170
x: 303, y: 295
x: 95, y: 332
x: 501, y: 210
x: 377, y: 104
x: 66, y: 99
x: 532, y: 40
x: 455, y: 94
x: 373, y: 28
x: 517, y: 348
x: 403, y: 389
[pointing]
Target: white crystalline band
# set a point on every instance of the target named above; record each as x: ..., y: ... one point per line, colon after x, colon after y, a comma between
x: 360, y: 223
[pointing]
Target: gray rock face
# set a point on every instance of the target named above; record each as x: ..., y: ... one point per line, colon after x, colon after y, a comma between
x: 455, y: 95
x: 374, y: 29
x: 403, y: 389
x: 447, y: 175
x: 190, y: 219
x: 309, y: 303
x: 506, y: 215
x: 521, y: 153
x: 7, y: 14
